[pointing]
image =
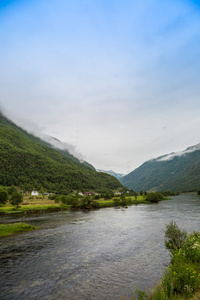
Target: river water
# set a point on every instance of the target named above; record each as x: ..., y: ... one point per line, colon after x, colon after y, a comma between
x: 98, y: 255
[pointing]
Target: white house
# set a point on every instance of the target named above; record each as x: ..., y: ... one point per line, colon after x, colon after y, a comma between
x: 34, y: 193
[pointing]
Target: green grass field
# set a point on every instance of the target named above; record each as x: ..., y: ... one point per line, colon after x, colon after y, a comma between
x: 9, y: 229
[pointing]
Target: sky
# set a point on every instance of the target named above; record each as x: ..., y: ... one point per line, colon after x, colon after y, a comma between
x: 117, y: 81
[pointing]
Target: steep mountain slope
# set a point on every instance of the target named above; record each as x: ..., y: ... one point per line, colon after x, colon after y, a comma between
x: 175, y: 172
x: 31, y: 163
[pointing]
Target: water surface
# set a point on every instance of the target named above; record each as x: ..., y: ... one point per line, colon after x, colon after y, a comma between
x: 100, y: 254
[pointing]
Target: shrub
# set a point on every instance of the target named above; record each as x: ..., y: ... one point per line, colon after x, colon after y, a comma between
x: 191, y: 247
x: 52, y: 197
x: 95, y: 204
x: 74, y: 202
x: 117, y: 201
x: 3, y: 197
x: 181, y: 277
x: 154, y: 197
x: 107, y: 196
x: 174, y: 237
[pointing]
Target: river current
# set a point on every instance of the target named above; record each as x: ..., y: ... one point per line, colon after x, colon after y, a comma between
x: 95, y: 255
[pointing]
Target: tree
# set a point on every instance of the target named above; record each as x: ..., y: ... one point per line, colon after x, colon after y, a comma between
x: 123, y: 200
x: 3, y: 197
x: 12, y: 189
x: 117, y: 201
x: 16, y: 199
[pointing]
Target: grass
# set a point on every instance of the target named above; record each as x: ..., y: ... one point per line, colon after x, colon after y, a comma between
x: 110, y: 203
x: 36, y: 204
x: 9, y: 229
x: 43, y: 204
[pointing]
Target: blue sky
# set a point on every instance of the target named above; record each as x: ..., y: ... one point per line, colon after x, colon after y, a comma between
x: 117, y: 80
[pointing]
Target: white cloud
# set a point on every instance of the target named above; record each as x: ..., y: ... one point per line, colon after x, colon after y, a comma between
x: 180, y: 153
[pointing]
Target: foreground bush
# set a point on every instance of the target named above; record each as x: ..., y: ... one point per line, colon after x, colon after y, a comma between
x: 174, y: 237
x: 182, y: 278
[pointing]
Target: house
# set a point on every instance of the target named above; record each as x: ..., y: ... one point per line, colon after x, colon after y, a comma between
x: 34, y: 193
x: 87, y: 194
x: 48, y: 194
x: 117, y: 193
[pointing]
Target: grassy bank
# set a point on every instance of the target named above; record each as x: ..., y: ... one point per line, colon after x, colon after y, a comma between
x: 31, y: 209
x: 43, y: 204
x: 132, y: 201
x: 33, y: 205
x: 9, y: 229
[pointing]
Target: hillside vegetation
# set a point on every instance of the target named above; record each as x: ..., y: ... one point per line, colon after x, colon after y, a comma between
x: 179, y: 174
x: 31, y: 163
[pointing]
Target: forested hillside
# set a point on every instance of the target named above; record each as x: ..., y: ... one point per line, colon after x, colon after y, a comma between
x: 173, y: 172
x: 31, y: 163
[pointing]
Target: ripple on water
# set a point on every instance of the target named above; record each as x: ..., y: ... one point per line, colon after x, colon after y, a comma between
x: 101, y: 254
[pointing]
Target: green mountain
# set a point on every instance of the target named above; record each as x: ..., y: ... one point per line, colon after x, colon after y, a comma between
x: 175, y: 172
x: 31, y: 163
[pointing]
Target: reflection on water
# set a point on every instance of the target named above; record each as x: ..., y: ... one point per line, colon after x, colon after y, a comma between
x: 100, y: 254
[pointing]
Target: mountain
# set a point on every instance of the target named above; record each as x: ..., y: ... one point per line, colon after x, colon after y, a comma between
x: 174, y: 172
x: 112, y: 173
x: 32, y: 163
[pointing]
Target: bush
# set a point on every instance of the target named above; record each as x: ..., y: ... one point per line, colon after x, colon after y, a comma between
x: 174, y: 237
x: 52, y: 197
x: 154, y: 197
x: 117, y: 201
x: 95, y: 204
x: 107, y: 196
x: 3, y: 197
x: 74, y: 202
x: 191, y: 247
x: 181, y: 277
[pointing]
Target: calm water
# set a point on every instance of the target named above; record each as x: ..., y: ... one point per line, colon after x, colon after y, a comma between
x: 101, y: 254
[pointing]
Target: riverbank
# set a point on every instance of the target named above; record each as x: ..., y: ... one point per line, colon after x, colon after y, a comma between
x: 45, y: 205
x: 30, y: 209
x: 15, y: 228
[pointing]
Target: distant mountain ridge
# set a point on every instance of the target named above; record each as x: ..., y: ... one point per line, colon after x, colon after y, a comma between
x: 175, y: 172
x: 117, y: 175
x: 32, y: 163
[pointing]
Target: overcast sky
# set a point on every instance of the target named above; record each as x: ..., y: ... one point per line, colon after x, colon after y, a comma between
x: 118, y: 80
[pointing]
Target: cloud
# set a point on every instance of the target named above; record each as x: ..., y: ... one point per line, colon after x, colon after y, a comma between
x: 38, y: 131
x: 118, y: 81
x: 179, y: 154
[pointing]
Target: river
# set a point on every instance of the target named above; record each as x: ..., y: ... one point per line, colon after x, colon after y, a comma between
x: 95, y: 255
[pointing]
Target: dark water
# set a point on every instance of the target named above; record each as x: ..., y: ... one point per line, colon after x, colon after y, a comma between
x: 101, y: 254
